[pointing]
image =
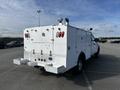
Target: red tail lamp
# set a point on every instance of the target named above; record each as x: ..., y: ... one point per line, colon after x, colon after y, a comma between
x: 60, y: 34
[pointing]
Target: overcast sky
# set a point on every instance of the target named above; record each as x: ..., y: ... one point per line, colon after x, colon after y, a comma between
x: 102, y: 15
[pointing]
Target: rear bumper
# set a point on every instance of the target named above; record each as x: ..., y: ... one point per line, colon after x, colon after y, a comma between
x: 55, y: 69
x: 48, y: 67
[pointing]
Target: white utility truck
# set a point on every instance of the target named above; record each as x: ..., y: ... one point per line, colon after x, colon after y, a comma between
x: 57, y: 48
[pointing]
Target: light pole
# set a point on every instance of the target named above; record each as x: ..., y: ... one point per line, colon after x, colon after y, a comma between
x: 39, y: 11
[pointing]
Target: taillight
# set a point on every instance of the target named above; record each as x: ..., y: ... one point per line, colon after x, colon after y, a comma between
x: 27, y: 35
x: 60, y: 34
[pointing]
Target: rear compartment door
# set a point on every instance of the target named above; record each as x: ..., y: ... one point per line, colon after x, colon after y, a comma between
x: 43, y: 42
x: 43, y: 35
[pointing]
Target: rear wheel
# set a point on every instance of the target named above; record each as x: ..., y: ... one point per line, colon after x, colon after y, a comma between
x: 81, y: 63
x: 97, y: 53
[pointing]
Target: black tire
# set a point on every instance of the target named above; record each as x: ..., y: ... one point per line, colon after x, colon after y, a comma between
x: 97, y: 53
x: 80, y: 64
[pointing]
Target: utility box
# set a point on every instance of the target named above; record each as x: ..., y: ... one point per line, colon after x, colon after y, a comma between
x: 57, y: 48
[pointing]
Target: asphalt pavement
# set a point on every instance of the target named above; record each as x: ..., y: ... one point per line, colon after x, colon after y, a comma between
x: 102, y: 73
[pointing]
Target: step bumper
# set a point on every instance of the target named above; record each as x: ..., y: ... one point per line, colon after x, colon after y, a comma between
x: 48, y: 66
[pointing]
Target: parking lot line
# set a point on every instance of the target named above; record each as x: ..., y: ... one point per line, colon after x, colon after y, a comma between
x: 87, y: 80
x: 103, y: 72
